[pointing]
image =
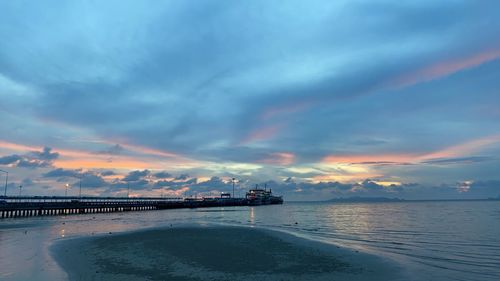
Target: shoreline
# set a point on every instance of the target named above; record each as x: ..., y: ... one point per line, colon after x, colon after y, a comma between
x: 215, y: 253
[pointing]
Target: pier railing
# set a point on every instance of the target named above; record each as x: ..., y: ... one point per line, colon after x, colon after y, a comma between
x: 26, y: 206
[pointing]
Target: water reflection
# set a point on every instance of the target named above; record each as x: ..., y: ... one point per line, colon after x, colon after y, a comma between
x: 440, y: 240
x: 252, y: 216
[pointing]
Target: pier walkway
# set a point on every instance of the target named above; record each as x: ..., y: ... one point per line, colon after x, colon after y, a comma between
x: 27, y: 206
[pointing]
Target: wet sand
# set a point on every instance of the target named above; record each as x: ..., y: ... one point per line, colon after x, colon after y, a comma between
x: 215, y: 253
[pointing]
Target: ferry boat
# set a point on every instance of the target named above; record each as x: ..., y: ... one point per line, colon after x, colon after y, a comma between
x: 259, y: 196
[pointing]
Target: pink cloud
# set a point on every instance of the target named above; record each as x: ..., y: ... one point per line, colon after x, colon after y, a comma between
x: 445, y: 68
x: 150, y: 151
x: 465, y: 148
x: 287, y: 108
x: 261, y: 134
x: 370, y: 158
x: 458, y: 150
x: 279, y: 158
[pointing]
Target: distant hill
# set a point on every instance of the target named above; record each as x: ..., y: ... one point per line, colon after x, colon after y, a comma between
x: 364, y: 199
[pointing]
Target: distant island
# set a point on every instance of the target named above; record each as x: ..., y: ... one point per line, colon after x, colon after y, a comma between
x: 364, y: 199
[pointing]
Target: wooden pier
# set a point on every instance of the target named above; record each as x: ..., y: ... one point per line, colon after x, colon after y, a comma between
x: 28, y: 206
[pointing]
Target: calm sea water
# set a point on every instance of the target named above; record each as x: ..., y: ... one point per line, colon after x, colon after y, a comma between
x: 433, y: 240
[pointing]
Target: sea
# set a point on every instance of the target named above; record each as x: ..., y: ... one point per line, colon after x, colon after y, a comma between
x: 432, y: 240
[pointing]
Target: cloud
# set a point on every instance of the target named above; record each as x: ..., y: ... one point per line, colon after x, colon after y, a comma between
x: 457, y: 160
x: 176, y: 184
x: 445, y: 68
x: 60, y: 172
x: 262, y: 134
x: 32, y: 160
x: 46, y: 154
x: 182, y: 177
x: 162, y: 175
x: 112, y: 150
x: 371, y: 188
x: 139, y: 184
x: 279, y: 158
x: 136, y: 175
x: 108, y: 173
x: 214, y: 183
x: 10, y: 159
x: 93, y: 181
x: 88, y: 179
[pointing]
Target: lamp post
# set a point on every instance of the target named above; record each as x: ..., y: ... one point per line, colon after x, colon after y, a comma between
x: 233, y: 186
x: 20, y: 189
x: 6, y: 181
x: 81, y: 187
x: 66, y: 191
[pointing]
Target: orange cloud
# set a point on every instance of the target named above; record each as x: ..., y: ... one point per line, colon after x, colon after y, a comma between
x: 367, y: 159
x: 446, y: 68
x: 280, y: 158
x: 128, y: 164
x: 344, y: 178
x: 18, y: 147
x: 27, y: 148
x: 75, y: 159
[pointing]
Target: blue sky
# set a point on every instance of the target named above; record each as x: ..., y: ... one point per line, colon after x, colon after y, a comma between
x: 318, y: 99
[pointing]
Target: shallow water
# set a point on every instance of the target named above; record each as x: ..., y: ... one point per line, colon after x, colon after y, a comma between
x: 433, y: 240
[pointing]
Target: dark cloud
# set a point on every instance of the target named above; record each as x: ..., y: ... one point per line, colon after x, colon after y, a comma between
x: 45, y: 154
x: 60, y: 172
x: 182, y: 177
x: 176, y: 184
x: 32, y: 160
x: 162, y: 175
x: 171, y: 185
x: 136, y: 175
x: 32, y: 163
x: 214, y: 183
x: 107, y: 173
x: 112, y: 150
x: 93, y: 181
x: 10, y: 159
x: 89, y: 179
x: 139, y: 184
x: 457, y: 160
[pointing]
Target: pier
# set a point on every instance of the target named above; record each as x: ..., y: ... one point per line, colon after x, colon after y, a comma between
x: 28, y: 206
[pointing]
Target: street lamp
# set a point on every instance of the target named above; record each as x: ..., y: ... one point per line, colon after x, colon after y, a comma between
x: 81, y: 186
x: 233, y: 179
x: 6, y: 180
x: 20, y: 189
x: 66, y: 191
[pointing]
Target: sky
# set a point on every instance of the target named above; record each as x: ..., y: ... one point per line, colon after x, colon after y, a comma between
x: 315, y: 99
